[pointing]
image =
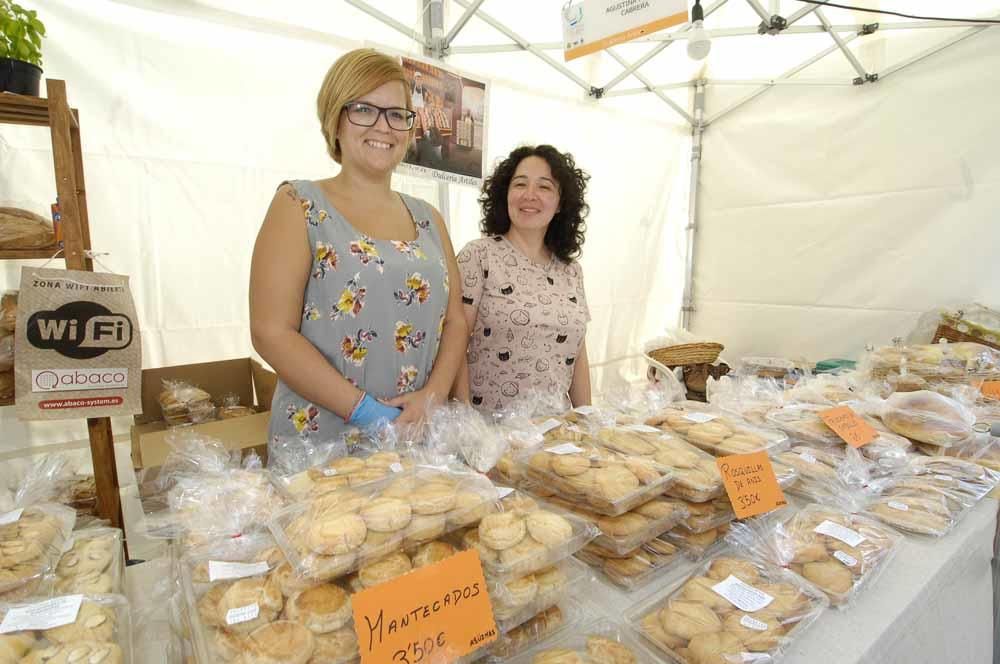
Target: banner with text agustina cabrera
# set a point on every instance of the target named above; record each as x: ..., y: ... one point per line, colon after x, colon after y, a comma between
x: 77, y: 351
x: 594, y: 25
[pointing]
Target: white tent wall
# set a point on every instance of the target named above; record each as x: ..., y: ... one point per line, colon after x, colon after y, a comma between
x: 192, y: 113
x: 832, y: 217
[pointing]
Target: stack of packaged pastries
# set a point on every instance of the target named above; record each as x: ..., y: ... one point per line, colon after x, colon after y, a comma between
x: 94, y: 563
x: 598, y: 642
x: 718, y: 433
x: 922, y: 366
x: 729, y: 609
x: 31, y: 540
x: 183, y: 404
x: 73, y: 629
x: 347, y: 471
x: 932, y: 495
x: 526, y: 550
x: 634, y: 569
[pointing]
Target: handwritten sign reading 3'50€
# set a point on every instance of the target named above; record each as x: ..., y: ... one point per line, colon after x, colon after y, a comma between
x: 750, y: 482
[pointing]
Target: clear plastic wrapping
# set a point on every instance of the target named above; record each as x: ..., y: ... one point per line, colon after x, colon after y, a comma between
x: 332, y: 535
x: 981, y: 449
x: 698, y: 546
x: 746, y: 397
x: 947, y: 362
x: 460, y: 430
x: 635, y: 569
x: 716, y: 432
x: 520, y: 536
x: 599, y: 642
x: 705, y: 516
x: 339, y: 472
x: 516, y: 601
x: 928, y: 417
x: 622, y: 534
x: 87, y: 628
x: 566, y: 615
x: 731, y: 610
x: 593, y: 476
x: 94, y: 563
x: 824, y: 389
x: 231, y: 408
x: 183, y: 404
x: 839, y: 552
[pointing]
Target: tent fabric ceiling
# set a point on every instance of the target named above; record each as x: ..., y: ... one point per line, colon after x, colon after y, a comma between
x: 194, y: 110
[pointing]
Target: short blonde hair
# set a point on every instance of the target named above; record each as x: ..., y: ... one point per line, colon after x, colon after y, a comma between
x: 354, y: 74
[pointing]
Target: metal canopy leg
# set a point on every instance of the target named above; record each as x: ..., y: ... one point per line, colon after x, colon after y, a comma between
x: 698, y: 128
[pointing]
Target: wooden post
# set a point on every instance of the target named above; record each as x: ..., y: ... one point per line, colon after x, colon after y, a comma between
x: 76, y: 234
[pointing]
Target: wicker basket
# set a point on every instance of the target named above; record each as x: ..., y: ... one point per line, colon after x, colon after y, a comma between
x: 949, y: 329
x: 696, y: 353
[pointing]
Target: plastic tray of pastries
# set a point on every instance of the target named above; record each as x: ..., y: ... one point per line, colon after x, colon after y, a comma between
x: 593, y: 476
x: 568, y: 614
x: 98, y: 632
x: 716, y: 432
x: 696, y: 622
x: 341, y: 472
x: 521, y: 535
x: 517, y: 600
x: 697, y: 546
x: 626, y: 532
x: 338, y: 532
x: 31, y: 541
x: 93, y: 564
x: 599, y: 642
x: 634, y: 570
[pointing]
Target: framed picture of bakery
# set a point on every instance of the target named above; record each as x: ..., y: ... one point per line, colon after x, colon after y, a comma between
x: 449, y: 130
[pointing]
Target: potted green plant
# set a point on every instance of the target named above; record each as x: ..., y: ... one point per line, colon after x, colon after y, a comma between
x: 20, y: 49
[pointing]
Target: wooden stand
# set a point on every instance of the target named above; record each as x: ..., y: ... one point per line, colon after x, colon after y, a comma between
x: 64, y: 124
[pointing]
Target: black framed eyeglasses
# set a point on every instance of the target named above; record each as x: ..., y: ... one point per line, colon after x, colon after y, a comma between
x: 364, y: 114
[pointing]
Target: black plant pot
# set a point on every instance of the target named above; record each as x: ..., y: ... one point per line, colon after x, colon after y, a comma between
x: 19, y: 77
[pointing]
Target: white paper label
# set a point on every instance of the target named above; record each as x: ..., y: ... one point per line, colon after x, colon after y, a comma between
x: 741, y: 595
x: 848, y: 560
x: 753, y: 623
x: 565, y: 448
x: 837, y: 531
x: 396, y: 467
x: 11, y: 517
x: 896, y: 505
x: 219, y: 570
x: 43, y: 615
x: 329, y: 472
x: 756, y: 658
x: 642, y: 428
x: 504, y: 491
x: 807, y: 457
x: 944, y: 478
x: 242, y: 614
x: 548, y: 425
x: 585, y: 410
x: 700, y: 418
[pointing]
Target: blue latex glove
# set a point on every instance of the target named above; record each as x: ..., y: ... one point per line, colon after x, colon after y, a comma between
x: 371, y: 411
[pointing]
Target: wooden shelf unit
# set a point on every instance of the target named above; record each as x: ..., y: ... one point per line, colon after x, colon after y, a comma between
x: 63, y: 122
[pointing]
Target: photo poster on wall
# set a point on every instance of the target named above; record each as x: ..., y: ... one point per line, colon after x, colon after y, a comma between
x: 449, y: 132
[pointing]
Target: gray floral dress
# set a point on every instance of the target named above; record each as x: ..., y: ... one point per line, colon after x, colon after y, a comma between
x: 374, y: 309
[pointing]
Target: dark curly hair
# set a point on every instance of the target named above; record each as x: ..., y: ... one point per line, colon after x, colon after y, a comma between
x: 564, y: 236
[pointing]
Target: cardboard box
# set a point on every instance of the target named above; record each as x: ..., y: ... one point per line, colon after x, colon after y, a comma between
x: 244, y: 377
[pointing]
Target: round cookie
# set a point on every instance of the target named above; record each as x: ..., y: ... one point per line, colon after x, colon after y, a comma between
x: 502, y: 531
x: 551, y: 582
x: 384, y: 569
x: 622, y: 525
x: 338, y: 646
x: 385, y: 515
x: 337, y: 535
x: 263, y: 592
x: 433, y: 498
x: 432, y: 552
x: 280, y: 642
x: 471, y: 540
x: 614, y: 483
x: 548, y: 528
x: 469, y: 508
x: 424, y: 528
x: 526, y: 554
x: 322, y: 608
x: 288, y: 581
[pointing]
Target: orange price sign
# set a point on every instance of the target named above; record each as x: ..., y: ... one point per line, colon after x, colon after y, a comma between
x: 750, y: 482
x: 991, y: 389
x: 433, y: 615
x: 849, y: 426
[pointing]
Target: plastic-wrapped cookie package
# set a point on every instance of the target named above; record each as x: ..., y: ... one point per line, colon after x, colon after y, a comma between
x: 731, y: 609
x: 520, y: 536
x: 716, y: 432
x: 340, y: 472
x: 930, y: 363
x: 593, y: 476
x: 599, y: 642
x: 635, y: 569
x: 566, y: 615
x: 982, y: 449
x: 68, y: 628
x: 839, y: 552
x: 698, y: 546
x: 184, y: 404
x: 31, y: 541
x: 338, y: 532
x: 929, y: 417
x: 624, y: 533
x: 515, y: 601
x: 748, y: 397
x: 93, y: 564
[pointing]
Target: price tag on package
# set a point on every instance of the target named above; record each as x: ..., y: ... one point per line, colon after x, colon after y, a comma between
x: 991, y: 389
x: 433, y: 615
x: 849, y: 426
x: 750, y: 482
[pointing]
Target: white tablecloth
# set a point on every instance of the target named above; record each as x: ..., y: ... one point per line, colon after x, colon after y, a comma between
x: 933, y: 605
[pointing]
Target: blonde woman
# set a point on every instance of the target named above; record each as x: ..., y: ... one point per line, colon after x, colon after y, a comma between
x: 349, y: 283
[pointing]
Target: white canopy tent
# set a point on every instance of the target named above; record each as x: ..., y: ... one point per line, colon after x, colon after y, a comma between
x: 829, y: 214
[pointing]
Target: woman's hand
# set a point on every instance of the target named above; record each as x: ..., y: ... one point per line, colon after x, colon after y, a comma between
x: 418, y: 405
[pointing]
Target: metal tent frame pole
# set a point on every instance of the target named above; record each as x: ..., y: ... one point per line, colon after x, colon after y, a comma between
x: 697, y: 130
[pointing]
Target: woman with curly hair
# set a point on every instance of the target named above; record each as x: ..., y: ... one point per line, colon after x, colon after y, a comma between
x: 522, y: 289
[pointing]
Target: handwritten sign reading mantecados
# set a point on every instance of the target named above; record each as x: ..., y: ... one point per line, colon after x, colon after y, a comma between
x: 433, y: 615
x: 991, y: 389
x: 849, y: 426
x: 750, y: 482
